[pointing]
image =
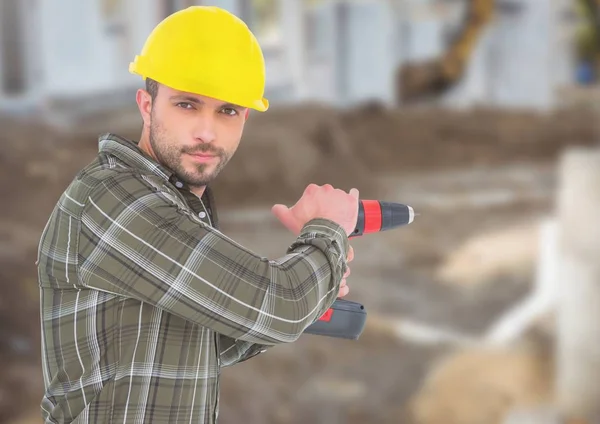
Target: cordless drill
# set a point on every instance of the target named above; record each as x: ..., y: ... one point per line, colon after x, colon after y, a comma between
x: 346, y: 319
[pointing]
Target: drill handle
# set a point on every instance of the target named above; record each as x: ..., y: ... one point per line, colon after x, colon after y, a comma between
x: 344, y: 320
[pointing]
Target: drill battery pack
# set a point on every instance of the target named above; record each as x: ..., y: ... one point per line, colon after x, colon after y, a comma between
x: 345, y: 320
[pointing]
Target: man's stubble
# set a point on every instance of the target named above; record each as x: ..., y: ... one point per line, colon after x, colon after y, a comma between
x: 169, y: 154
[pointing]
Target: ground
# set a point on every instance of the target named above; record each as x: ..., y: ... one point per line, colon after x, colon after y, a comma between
x: 464, y: 172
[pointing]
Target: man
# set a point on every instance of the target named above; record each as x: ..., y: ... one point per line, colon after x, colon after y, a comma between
x: 143, y: 299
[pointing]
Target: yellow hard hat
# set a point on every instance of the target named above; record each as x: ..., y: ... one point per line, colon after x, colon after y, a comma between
x: 208, y: 51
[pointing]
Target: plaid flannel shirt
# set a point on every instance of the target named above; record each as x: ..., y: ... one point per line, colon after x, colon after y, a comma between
x: 144, y: 300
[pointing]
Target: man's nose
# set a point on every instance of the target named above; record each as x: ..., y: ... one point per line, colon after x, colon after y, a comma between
x: 205, y: 128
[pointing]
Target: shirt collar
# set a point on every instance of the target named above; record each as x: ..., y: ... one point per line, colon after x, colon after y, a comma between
x: 130, y: 153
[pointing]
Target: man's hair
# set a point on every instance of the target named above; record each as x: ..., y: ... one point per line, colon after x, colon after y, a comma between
x: 152, y: 88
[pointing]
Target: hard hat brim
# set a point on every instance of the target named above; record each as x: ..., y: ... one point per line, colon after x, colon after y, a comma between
x: 136, y: 67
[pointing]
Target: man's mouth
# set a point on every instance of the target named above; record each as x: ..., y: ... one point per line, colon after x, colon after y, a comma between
x: 202, y: 157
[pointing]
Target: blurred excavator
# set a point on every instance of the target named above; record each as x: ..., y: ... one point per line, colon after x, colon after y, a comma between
x: 430, y: 79
x: 416, y: 81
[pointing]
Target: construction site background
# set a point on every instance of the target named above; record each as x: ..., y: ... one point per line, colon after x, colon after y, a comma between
x: 483, y: 177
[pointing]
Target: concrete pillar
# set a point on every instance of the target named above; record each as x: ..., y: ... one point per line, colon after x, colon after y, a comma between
x: 69, y: 47
x: 353, y: 56
x: 525, y: 79
x: 143, y: 16
x: 20, y: 65
x: 85, y: 50
x: 2, y: 64
x: 562, y: 42
x: 368, y: 38
x: 578, y: 330
x: 234, y: 6
x: 13, y: 48
x: 33, y: 39
x: 322, y: 53
x: 294, y: 47
x: 424, y: 35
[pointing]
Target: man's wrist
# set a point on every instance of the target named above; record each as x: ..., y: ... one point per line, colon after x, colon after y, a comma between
x: 323, y: 227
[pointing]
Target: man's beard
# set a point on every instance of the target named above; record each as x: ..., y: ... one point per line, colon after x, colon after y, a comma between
x: 169, y: 155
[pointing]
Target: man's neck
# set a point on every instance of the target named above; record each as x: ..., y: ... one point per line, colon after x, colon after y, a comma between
x: 144, y: 145
x: 198, y: 191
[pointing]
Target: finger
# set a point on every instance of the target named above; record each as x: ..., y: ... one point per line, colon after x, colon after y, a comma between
x: 343, y: 291
x: 354, y: 193
x: 350, y: 254
x: 311, y: 188
x: 347, y: 273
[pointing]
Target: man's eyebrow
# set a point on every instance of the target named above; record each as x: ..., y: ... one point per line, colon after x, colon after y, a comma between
x: 187, y: 98
x: 192, y: 99
x: 232, y: 105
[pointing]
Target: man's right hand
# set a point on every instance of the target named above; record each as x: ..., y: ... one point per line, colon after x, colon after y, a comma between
x: 320, y: 202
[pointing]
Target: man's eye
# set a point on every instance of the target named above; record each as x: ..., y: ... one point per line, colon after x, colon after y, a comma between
x: 230, y: 111
x: 184, y: 105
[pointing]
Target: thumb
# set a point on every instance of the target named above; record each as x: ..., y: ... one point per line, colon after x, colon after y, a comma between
x: 283, y: 213
x: 279, y: 210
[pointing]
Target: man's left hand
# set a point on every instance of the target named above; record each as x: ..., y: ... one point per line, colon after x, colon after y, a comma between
x: 344, y: 289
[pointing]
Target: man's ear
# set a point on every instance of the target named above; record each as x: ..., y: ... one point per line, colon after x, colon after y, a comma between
x: 247, y: 114
x: 144, y: 101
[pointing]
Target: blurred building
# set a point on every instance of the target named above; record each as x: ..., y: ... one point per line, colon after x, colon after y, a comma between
x: 338, y: 52
x: 523, y: 58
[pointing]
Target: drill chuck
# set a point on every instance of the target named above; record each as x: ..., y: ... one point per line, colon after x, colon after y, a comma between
x: 375, y: 216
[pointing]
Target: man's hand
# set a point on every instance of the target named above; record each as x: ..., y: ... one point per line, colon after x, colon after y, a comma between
x: 344, y: 289
x: 323, y: 202
x: 320, y: 202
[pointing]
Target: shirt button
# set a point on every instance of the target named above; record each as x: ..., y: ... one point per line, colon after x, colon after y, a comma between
x: 202, y: 214
x: 178, y: 184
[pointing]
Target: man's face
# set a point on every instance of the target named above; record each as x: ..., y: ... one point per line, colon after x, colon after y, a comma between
x: 194, y: 136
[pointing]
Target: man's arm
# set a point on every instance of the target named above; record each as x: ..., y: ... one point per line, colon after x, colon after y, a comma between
x: 135, y: 241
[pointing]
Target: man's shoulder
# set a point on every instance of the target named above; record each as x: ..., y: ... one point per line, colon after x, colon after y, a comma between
x: 108, y: 173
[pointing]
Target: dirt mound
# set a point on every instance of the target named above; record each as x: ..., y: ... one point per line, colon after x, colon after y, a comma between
x: 484, y: 385
x: 414, y: 140
x: 493, y: 256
